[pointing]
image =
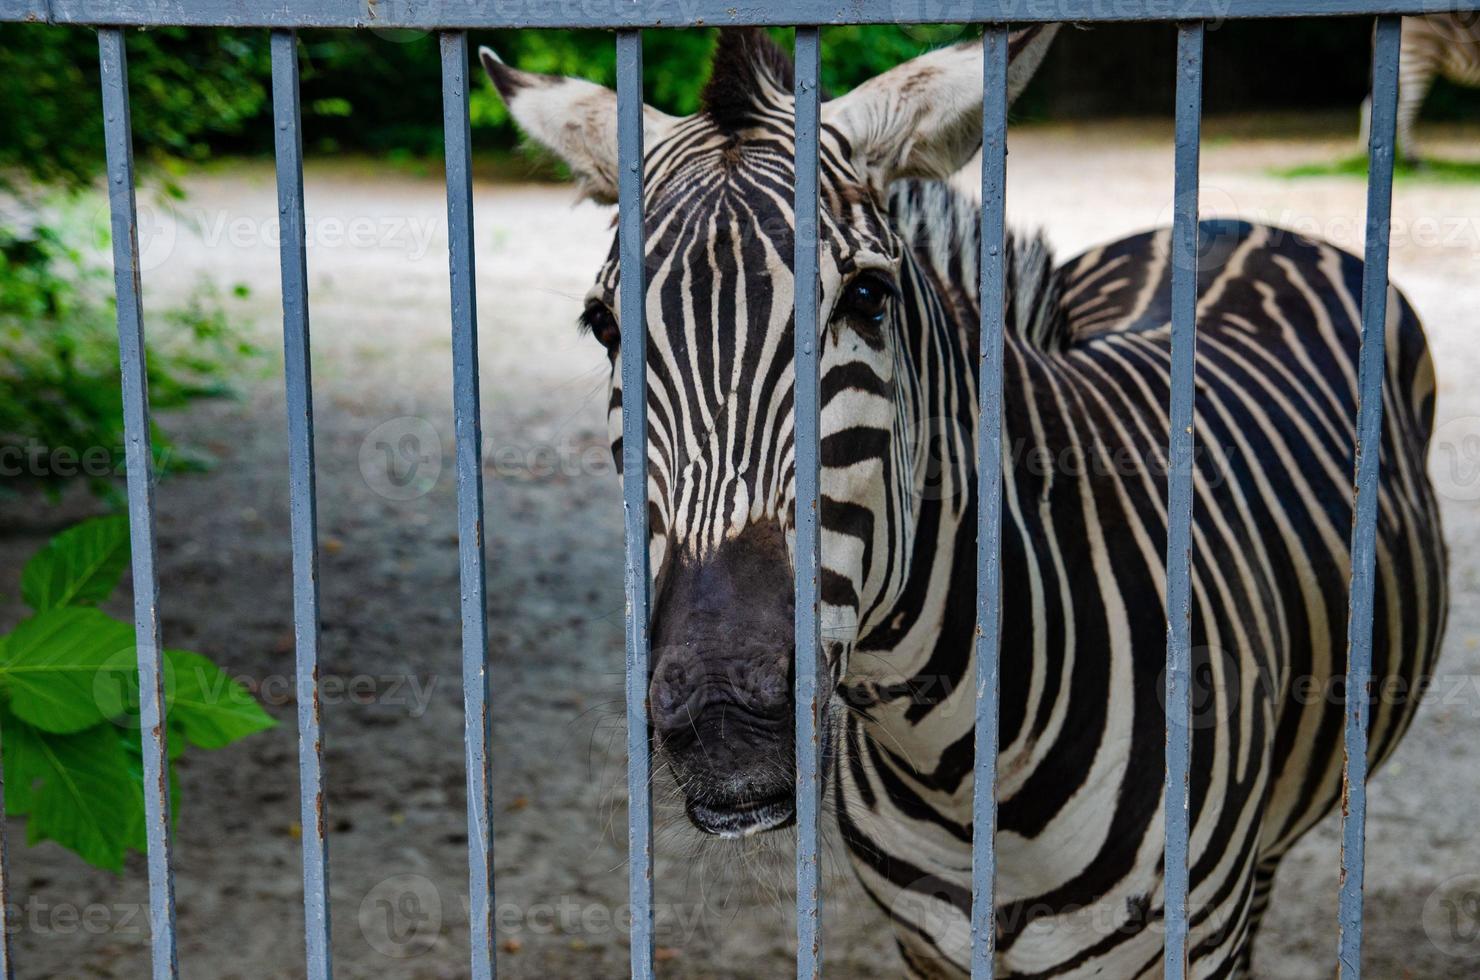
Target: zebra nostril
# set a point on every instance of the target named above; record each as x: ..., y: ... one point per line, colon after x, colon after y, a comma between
x: 769, y: 693
x: 666, y: 705
x: 674, y: 699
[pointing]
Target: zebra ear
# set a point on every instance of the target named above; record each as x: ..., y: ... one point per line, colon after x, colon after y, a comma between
x: 573, y: 118
x: 924, y: 117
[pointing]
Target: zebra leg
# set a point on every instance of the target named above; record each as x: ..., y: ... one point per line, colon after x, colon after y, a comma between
x: 1263, y: 885
x: 1364, y: 131
x: 1415, y: 77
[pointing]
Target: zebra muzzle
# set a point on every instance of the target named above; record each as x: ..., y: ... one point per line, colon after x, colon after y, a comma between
x: 720, y: 693
x: 744, y: 820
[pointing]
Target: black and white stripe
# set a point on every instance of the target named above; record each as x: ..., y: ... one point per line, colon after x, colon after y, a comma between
x: 1087, y: 368
x: 1434, y: 46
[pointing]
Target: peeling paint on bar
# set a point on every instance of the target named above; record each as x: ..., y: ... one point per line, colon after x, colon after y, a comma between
x: 303, y: 498
x: 118, y: 138
x: 989, y: 500
x: 1364, y: 513
x: 632, y: 289
x: 628, y: 14
x: 811, y: 696
x: 24, y: 11
x: 1180, y: 493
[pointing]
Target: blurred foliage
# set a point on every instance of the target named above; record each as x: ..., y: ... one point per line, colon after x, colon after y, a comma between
x: 198, y: 93
x: 390, y: 81
x: 61, y: 416
x: 1430, y: 170
x: 69, y: 703
x: 189, y: 88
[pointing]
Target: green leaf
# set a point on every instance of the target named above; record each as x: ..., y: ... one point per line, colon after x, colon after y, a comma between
x: 135, y: 836
x: 21, y: 773
x: 79, y: 567
x: 211, y: 708
x: 80, y: 792
x: 68, y: 669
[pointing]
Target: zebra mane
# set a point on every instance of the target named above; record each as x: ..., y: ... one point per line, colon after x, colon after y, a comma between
x: 943, y: 228
x: 1034, y: 288
x: 749, y: 72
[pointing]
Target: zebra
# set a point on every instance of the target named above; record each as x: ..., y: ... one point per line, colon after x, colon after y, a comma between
x: 1433, y: 45
x: 1080, y: 836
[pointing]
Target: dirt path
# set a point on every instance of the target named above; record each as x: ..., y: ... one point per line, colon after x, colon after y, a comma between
x: 390, y: 623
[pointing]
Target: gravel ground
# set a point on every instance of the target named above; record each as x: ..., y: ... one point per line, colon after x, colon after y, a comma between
x: 393, y: 720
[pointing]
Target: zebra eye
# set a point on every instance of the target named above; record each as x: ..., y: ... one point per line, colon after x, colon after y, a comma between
x: 601, y: 323
x: 866, y: 298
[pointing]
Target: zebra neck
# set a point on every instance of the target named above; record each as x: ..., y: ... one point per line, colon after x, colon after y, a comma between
x: 923, y: 655
x: 917, y: 653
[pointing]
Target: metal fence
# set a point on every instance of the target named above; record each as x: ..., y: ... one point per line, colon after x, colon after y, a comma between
x: 451, y: 19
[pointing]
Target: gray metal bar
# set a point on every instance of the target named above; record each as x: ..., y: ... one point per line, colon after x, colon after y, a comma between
x: 118, y: 138
x: 24, y: 11
x: 467, y: 410
x: 482, y: 15
x: 1364, y: 517
x: 1180, y: 493
x: 989, y: 499
x: 7, y: 970
x: 811, y: 673
x: 633, y: 320
x: 303, y: 499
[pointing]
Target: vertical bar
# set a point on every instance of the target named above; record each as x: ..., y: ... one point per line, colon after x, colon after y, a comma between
x: 1179, y: 494
x: 810, y: 696
x: 6, y: 969
x: 303, y: 497
x: 467, y: 409
x: 1364, y: 518
x: 118, y: 138
x: 633, y: 289
x: 989, y: 499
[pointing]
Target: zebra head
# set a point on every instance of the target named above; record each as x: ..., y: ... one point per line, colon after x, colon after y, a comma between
x: 720, y: 232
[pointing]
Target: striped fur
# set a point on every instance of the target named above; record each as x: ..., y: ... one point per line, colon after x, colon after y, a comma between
x: 1087, y: 377
x: 1084, y: 636
x: 1434, y: 46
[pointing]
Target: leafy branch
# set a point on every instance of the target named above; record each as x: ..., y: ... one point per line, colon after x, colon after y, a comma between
x: 69, y: 696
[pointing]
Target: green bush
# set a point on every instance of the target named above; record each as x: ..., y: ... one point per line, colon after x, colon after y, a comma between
x: 61, y: 412
x: 191, y: 90
x: 60, y: 407
x: 202, y: 93
x: 69, y: 695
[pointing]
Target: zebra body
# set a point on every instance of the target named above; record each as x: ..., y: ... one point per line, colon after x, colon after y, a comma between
x: 1086, y: 366
x: 1433, y: 46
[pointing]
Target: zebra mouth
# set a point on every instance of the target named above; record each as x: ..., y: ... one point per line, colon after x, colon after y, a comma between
x: 743, y: 820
